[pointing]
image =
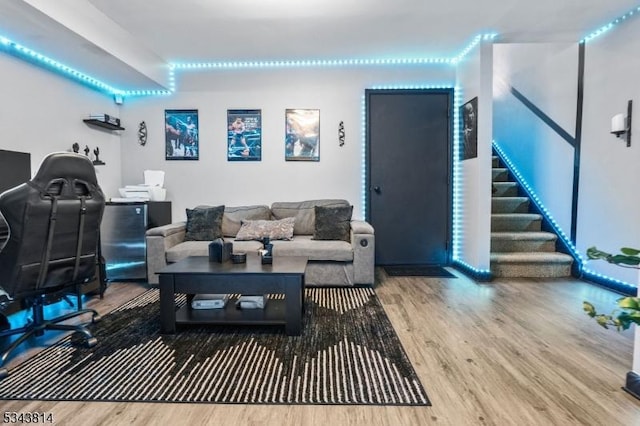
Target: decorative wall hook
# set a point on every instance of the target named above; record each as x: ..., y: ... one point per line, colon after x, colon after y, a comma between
x: 341, y: 133
x: 142, y: 133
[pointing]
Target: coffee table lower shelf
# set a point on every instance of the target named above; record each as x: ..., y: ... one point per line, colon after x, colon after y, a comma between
x: 273, y: 313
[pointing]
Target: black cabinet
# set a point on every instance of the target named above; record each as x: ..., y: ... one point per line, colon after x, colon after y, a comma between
x: 122, y: 236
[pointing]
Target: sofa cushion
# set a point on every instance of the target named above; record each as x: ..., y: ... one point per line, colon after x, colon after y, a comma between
x: 201, y: 248
x: 303, y: 245
x: 233, y: 216
x: 204, y: 223
x: 333, y: 223
x: 274, y: 229
x: 304, y: 213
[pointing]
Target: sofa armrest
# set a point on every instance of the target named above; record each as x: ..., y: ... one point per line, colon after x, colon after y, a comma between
x: 363, y: 243
x: 361, y: 227
x: 166, y: 230
x: 159, y: 240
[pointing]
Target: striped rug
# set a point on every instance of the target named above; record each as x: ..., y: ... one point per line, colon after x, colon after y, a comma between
x: 348, y: 353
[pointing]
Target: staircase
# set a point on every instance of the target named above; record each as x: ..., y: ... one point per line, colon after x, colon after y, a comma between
x: 519, y: 248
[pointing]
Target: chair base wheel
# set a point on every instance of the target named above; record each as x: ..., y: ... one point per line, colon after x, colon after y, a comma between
x: 96, y: 318
x: 4, y: 373
x: 89, y: 343
x: 4, y: 323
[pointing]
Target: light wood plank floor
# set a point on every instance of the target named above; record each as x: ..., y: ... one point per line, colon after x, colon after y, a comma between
x: 510, y: 352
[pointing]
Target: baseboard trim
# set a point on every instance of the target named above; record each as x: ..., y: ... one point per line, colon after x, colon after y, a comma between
x: 609, y: 283
x: 632, y: 385
x: 481, y: 276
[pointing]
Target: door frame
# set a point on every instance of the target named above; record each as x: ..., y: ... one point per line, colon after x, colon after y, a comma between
x: 449, y: 243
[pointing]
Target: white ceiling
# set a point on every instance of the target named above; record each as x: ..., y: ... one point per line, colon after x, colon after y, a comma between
x: 128, y: 43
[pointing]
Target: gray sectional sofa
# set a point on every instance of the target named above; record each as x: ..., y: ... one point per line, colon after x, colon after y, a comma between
x: 331, y: 262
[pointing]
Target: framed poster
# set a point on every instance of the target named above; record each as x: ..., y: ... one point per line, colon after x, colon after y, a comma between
x: 181, y: 134
x: 244, y: 135
x: 302, y: 135
x: 469, y: 114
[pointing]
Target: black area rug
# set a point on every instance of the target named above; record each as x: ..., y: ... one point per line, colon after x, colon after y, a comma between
x: 348, y: 353
x: 417, y: 271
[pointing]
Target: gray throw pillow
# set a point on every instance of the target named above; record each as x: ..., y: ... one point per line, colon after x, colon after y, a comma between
x: 204, y: 223
x: 333, y: 223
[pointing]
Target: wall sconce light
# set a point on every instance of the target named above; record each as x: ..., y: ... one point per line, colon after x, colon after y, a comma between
x: 621, y: 124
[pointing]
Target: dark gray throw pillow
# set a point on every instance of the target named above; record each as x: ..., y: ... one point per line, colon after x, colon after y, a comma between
x: 333, y: 223
x: 204, y: 223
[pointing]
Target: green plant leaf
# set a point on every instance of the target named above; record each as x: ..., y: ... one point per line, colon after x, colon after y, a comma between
x: 624, y: 260
x: 629, y: 303
x: 589, y: 309
x: 630, y: 251
x: 593, y: 253
x: 602, y: 320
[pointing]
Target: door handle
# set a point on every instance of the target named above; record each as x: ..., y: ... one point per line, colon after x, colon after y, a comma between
x: 376, y: 189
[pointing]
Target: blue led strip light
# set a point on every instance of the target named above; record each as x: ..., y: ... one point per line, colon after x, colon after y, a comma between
x: 534, y: 197
x: 33, y: 56
x: 457, y: 178
x: 610, y: 25
x: 49, y: 63
x: 319, y: 63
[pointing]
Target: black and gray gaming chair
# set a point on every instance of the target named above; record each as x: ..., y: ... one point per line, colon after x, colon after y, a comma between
x: 54, y: 222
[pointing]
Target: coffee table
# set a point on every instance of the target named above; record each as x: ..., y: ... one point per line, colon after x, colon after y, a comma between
x: 197, y: 275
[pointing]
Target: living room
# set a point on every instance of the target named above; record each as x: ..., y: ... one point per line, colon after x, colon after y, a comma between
x: 46, y: 109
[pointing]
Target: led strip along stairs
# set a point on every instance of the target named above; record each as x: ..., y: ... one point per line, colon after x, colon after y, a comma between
x: 519, y: 247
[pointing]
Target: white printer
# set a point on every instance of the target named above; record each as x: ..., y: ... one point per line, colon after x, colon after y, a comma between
x: 151, y: 190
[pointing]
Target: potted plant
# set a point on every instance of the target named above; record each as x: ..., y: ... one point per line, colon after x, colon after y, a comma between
x: 629, y: 312
x: 629, y: 307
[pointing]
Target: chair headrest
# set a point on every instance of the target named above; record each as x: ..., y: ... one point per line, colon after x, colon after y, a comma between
x: 66, y: 165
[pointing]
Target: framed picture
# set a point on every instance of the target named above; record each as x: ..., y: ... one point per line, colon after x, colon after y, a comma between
x: 469, y: 114
x: 244, y: 135
x: 181, y: 134
x: 302, y: 135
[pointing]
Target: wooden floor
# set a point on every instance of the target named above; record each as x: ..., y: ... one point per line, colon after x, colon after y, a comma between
x: 510, y: 352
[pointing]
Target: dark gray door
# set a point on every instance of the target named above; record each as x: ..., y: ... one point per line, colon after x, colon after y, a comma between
x: 409, y: 175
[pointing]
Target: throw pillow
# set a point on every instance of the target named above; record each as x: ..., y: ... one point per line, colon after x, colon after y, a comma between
x: 274, y: 229
x: 204, y: 223
x: 333, y: 223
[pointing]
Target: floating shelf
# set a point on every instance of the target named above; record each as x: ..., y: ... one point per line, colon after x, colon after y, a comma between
x: 102, y: 124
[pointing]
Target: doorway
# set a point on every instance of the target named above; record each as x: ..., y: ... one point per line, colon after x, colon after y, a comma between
x: 409, y: 175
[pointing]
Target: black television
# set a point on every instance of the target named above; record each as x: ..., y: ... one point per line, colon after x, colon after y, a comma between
x: 15, y: 168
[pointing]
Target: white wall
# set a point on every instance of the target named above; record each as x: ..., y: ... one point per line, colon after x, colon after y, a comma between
x: 474, y: 77
x: 609, y: 171
x: 337, y: 92
x: 547, y: 75
x: 42, y: 112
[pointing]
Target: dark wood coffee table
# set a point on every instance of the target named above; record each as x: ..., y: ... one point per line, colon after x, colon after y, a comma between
x: 196, y: 275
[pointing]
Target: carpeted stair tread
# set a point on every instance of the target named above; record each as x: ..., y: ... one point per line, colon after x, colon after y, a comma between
x: 505, y: 189
x: 510, y: 205
x: 531, y: 257
x: 500, y: 174
x: 519, y: 236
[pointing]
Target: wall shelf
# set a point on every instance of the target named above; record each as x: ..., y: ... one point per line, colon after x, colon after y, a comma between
x: 102, y: 124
